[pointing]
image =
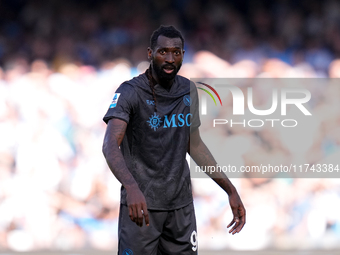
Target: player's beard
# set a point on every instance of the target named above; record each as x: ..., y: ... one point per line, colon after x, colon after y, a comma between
x: 163, y: 76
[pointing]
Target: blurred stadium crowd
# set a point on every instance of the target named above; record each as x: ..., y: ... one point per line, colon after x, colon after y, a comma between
x: 61, y: 62
x: 93, y: 32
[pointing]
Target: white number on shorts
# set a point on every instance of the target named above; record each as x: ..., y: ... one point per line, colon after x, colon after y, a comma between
x: 193, y: 240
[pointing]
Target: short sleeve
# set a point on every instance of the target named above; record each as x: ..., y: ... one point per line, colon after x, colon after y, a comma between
x: 194, y: 108
x: 123, y: 103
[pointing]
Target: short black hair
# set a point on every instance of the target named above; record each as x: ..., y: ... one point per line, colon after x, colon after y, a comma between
x: 167, y: 31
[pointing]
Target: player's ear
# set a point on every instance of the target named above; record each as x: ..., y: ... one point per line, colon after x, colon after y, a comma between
x: 149, y: 53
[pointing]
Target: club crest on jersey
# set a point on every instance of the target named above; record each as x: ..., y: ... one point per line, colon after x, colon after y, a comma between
x: 154, y: 121
x: 187, y: 100
x: 114, y: 100
x: 127, y: 252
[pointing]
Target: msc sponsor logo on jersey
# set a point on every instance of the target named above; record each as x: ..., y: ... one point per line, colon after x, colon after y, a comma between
x: 114, y: 100
x: 187, y: 100
x: 154, y: 121
x: 176, y: 120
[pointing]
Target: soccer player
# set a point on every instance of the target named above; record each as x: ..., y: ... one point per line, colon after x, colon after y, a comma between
x: 150, y: 119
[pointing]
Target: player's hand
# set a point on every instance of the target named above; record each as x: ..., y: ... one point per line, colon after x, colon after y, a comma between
x: 137, y: 206
x: 239, y: 213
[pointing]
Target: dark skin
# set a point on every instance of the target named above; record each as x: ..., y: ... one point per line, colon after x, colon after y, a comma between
x: 168, y: 52
x: 115, y: 132
x: 168, y: 55
x: 199, y: 152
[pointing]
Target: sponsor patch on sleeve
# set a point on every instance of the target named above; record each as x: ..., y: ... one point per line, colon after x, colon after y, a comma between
x: 114, y: 100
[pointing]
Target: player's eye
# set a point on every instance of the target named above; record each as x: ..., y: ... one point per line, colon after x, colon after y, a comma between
x: 162, y: 52
x: 177, y: 52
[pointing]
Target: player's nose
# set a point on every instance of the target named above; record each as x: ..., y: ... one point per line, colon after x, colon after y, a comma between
x: 169, y: 58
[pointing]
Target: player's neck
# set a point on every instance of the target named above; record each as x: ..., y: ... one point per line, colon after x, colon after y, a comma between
x: 166, y: 84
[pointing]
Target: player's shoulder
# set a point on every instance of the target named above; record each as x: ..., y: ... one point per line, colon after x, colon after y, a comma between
x: 182, y: 79
x: 140, y: 80
x: 186, y: 83
x: 136, y: 82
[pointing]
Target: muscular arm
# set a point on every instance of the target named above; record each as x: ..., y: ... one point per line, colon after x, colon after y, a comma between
x: 114, y: 135
x: 202, y: 156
